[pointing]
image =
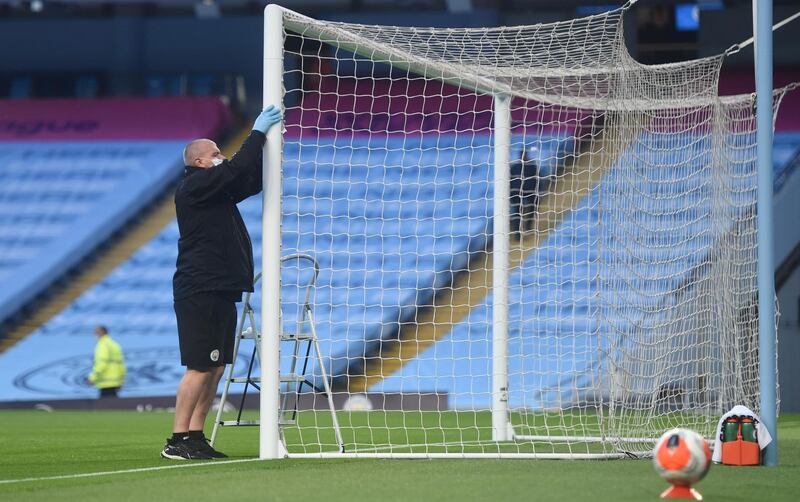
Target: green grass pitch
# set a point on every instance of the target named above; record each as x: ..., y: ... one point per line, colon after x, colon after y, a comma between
x: 37, y: 445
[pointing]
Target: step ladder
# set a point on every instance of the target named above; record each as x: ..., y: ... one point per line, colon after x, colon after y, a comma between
x: 305, y: 332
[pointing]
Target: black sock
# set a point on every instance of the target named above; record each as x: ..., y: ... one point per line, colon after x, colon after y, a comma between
x: 196, y: 435
x: 178, y: 436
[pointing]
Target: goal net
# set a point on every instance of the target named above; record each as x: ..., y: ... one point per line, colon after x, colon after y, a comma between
x: 529, y: 244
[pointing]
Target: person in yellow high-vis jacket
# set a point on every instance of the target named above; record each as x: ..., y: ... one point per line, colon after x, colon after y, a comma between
x: 109, y: 370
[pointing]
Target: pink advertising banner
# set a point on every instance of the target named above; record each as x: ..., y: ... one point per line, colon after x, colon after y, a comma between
x: 112, y: 119
x: 415, y: 107
x: 742, y: 81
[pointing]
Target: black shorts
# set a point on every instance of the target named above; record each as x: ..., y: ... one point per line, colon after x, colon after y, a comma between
x: 206, y: 329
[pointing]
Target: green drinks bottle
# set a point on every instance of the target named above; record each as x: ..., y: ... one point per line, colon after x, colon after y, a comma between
x: 749, y: 430
x: 730, y: 429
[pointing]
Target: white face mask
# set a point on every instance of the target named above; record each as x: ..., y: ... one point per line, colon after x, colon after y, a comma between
x: 215, y: 162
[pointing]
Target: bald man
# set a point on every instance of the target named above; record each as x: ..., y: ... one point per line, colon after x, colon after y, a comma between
x: 214, y: 267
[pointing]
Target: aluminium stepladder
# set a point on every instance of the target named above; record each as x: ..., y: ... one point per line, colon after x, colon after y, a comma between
x: 305, y: 332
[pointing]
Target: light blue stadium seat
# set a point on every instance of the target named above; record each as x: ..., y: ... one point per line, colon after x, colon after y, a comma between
x: 21, y: 88
x: 86, y: 86
x: 202, y: 85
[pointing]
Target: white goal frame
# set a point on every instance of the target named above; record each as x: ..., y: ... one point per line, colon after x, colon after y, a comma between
x: 270, y: 443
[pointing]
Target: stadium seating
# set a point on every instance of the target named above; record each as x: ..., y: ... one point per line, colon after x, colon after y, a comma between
x: 377, y: 260
x: 554, y: 296
x: 785, y: 155
x: 59, y: 200
x: 73, y: 173
x: 21, y: 88
x: 69, y: 182
x: 414, y: 238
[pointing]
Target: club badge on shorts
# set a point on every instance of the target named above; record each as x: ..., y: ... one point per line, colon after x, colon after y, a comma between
x: 214, y: 355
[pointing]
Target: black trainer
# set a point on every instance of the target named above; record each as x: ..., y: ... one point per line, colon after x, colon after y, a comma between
x: 202, y: 444
x: 183, y: 449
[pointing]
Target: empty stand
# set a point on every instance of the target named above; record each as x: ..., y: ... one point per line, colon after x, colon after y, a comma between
x: 420, y: 206
x: 556, y: 295
x: 75, y: 171
x: 447, y: 192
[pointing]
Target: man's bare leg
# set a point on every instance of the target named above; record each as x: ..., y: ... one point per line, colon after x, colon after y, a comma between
x: 198, y: 416
x: 192, y: 388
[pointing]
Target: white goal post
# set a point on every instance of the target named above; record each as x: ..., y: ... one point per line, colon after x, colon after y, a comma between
x: 270, y: 445
x: 531, y: 245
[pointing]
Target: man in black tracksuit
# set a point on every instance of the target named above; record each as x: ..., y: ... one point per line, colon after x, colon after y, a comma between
x: 214, y: 267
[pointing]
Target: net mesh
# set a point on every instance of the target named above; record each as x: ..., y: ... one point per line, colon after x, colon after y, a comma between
x: 632, y: 283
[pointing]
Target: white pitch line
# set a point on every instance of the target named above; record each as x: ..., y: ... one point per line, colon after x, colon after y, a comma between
x: 127, y: 471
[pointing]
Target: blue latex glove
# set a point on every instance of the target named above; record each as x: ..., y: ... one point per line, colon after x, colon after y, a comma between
x: 266, y: 119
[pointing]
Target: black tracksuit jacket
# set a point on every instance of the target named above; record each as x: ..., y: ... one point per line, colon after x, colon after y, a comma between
x: 214, y: 249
